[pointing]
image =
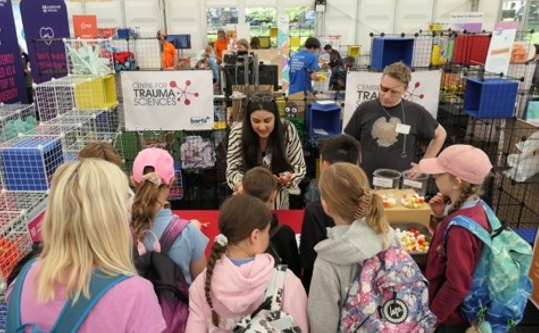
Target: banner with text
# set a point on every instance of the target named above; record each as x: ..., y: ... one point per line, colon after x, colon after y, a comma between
x: 45, y: 24
x: 501, y: 43
x: 471, y: 22
x: 168, y: 100
x: 12, y: 83
x: 424, y: 89
x: 85, y: 26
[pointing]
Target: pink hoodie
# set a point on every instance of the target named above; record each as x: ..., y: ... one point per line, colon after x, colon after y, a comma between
x: 238, y: 291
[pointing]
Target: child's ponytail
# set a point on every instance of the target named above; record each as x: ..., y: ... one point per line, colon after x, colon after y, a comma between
x: 146, y: 196
x: 467, y: 190
x: 376, y: 217
x: 217, y: 251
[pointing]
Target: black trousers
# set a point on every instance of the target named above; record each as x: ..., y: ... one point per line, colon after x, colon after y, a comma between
x: 460, y: 328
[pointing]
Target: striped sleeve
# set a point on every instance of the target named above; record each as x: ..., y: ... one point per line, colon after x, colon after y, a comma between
x: 294, y: 153
x: 234, y: 159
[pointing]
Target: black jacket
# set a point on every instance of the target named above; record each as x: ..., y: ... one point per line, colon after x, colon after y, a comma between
x: 283, y: 245
x: 313, y: 231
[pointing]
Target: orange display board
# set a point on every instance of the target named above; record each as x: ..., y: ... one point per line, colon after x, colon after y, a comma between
x: 85, y: 26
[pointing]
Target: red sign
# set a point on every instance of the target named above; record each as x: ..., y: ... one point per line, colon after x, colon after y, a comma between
x: 34, y: 227
x: 85, y: 26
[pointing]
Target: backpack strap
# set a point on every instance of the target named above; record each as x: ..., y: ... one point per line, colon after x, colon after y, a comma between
x: 13, y: 321
x: 276, y: 287
x: 172, y: 231
x: 72, y: 315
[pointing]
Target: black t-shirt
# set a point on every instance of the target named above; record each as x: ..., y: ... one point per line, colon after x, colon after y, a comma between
x: 376, y: 130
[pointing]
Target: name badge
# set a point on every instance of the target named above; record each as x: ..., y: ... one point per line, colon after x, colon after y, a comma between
x: 403, y: 129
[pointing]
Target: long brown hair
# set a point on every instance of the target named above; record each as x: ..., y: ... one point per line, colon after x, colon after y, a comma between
x: 239, y: 216
x: 146, y: 196
x: 345, y: 189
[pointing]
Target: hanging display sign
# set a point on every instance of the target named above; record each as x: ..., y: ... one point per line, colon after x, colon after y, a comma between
x: 12, y: 83
x: 45, y: 24
x: 471, y: 22
x: 501, y: 43
x: 168, y: 100
x: 424, y: 89
x: 283, y: 25
x: 85, y: 26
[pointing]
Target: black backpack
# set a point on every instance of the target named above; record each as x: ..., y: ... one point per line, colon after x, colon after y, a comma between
x: 166, y: 276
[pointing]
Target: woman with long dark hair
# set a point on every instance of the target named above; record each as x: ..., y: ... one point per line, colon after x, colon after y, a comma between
x: 264, y: 139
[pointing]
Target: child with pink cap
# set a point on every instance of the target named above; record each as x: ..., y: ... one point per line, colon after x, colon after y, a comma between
x: 153, y: 175
x: 459, y: 170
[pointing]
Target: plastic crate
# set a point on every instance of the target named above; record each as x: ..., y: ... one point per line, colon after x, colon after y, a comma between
x: 386, y: 51
x: 28, y: 162
x: 490, y: 98
x: 323, y: 119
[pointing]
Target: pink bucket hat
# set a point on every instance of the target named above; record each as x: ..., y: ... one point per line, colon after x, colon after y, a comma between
x: 157, y: 158
x: 463, y: 161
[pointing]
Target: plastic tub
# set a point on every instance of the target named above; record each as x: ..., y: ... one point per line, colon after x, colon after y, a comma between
x: 418, y: 183
x: 420, y: 257
x: 386, y: 179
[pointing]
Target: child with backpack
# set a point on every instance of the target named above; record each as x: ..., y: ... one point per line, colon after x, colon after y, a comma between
x: 260, y: 183
x: 241, y: 289
x: 153, y: 175
x: 84, y: 280
x: 340, y: 299
x: 456, y: 253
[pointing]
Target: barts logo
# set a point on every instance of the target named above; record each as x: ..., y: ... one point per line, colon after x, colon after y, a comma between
x: 162, y: 93
x: 199, y: 120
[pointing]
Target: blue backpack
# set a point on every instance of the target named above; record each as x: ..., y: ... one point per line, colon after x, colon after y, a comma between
x: 501, y: 286
x: 72, y: 315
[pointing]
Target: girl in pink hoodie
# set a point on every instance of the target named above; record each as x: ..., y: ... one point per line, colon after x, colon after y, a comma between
x: 238, y: 272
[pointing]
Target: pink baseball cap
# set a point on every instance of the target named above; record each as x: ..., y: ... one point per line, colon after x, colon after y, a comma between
x: 466, y: 162
x: 157, y: 158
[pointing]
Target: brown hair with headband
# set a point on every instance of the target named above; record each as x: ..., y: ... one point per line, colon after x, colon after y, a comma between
x: 239, y: 216
x: 345, y: 189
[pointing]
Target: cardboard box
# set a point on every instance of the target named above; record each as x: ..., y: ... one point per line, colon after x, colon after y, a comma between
x: 400, y: 214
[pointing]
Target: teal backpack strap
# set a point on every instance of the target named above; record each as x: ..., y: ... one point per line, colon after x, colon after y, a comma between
x: 471, y: 226
x: 73, y: 315
x: 495, y: 223
x: 13, y: 322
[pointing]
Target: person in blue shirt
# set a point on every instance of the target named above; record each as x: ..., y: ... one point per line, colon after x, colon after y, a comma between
x: 303, y: 67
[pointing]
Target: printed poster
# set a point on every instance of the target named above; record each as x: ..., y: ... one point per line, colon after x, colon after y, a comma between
x: 85, y: 26
x: 471, y: 22
x: 12, y: 82
x: 501, y: 43
x: 168, y: 100
x: 424, y: 89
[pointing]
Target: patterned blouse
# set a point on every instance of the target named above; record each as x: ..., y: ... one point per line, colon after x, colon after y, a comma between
x: 293, y: 150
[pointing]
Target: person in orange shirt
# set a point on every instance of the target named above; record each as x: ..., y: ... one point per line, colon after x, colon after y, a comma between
x: 169, y: 54
x: 220, y: 44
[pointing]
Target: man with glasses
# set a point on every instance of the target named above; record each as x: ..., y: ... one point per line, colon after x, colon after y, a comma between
x: 388, y: 128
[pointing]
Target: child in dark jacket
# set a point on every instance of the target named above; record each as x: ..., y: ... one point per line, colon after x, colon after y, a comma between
x: 259, y: 182
x: 340, y: 148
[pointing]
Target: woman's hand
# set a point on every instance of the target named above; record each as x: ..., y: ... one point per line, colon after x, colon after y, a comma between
x: 437, y: 204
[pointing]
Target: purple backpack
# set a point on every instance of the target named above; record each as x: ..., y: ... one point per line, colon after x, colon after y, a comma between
x: 389, y: 294
x: 166, y: 276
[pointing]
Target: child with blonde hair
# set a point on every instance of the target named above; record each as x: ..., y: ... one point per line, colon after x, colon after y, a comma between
x: 239, y: 272
x: 361, y: 232
x: 87, y: 242
x: 153, y: 175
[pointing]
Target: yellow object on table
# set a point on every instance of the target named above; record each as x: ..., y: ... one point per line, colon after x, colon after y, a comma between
x: 400, y: 214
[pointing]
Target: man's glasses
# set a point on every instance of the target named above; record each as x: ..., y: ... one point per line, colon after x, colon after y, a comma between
x: 385, y: 89
x: 261, y: 98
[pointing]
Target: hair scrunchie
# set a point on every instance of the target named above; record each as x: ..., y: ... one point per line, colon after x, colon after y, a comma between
x: 221, y: 240
x: 152, y: 178
x: 365, y: 203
